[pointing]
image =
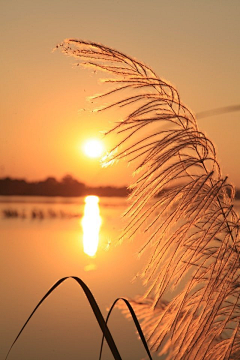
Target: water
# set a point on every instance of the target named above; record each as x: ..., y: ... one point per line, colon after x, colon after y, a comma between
x: 41, y: 242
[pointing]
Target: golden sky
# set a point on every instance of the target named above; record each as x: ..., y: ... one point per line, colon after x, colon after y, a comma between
x: 194, y: 45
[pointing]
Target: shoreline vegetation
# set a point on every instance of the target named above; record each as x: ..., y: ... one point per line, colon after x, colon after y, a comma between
x: 66, y: 187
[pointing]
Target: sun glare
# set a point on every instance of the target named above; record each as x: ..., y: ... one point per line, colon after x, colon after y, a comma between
x: 93, y: 148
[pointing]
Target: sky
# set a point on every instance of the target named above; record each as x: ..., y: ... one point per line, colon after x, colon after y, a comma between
x: 192, y: 44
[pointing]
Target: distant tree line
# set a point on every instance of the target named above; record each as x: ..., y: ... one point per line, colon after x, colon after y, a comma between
x: 67, y: 186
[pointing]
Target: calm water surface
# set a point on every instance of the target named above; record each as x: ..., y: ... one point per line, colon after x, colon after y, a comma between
x: 41, y: 242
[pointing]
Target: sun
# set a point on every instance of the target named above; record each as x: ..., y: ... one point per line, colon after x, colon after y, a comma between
x: 93, y: 148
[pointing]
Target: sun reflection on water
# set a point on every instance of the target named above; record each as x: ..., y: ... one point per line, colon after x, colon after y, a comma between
x: 91, y: 223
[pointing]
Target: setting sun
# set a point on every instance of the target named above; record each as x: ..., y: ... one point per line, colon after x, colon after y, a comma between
x: 93, y: 148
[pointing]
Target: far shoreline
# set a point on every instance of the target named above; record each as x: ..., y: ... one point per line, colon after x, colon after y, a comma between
x: 65, y: 188
x: 50, y: 187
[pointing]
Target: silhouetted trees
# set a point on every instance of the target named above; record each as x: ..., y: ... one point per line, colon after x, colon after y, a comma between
x: 68, y: 186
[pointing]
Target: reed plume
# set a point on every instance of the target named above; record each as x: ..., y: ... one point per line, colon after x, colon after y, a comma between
x: 181, y: 212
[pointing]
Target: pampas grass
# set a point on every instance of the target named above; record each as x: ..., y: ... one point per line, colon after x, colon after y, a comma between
x: 181, y: 206
x: 181, y: 213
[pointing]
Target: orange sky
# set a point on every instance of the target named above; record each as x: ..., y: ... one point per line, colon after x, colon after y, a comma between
x: 194, y: 45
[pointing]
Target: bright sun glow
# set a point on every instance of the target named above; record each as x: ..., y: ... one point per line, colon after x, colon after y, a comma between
x: 93, y: 148
x: 91, y: 223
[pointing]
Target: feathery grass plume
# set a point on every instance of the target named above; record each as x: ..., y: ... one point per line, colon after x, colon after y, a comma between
x: 181, y: 207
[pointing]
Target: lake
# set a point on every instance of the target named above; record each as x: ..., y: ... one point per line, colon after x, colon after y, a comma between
x: 41, y: 242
